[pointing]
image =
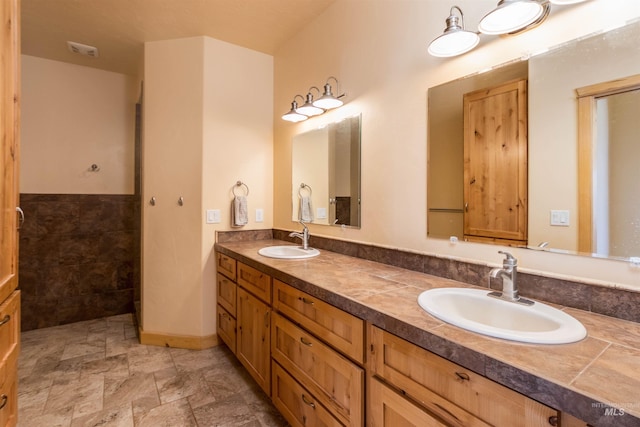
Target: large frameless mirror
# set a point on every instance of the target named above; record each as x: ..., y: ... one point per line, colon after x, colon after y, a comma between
x: 554, y: 208
x: 325, y: 176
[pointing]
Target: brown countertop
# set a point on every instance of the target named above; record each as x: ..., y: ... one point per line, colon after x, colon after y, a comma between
x: 586, y: 379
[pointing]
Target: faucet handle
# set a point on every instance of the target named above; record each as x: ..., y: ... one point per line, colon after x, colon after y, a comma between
x: 509, y: 259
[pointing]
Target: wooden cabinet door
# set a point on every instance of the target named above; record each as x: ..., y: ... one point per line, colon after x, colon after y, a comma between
x: 253, y: 338
x: 9, y: 127
x: 495, y: 163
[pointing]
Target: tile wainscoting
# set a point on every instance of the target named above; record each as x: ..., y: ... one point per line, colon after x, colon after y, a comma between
x: 79, y: 257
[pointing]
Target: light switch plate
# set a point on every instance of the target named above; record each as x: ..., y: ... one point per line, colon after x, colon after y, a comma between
x: 560, y: 218
x: 213, y: 216
x: 259, y: 215
x: 321, y: 213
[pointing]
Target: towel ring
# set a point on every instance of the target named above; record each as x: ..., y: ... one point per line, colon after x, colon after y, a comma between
x: 240, y: 184
x: 304, y: 186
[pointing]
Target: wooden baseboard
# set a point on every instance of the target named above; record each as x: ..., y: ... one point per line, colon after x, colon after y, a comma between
x: 179, y: 341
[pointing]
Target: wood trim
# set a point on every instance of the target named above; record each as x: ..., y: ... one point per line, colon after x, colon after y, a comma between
x: 586, y: 111
x: 178, y: 341
x: 587, y: 97
x: 609, y: 88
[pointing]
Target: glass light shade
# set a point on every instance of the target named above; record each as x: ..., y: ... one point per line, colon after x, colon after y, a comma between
x: 327, y: 101
x: 293, y: 115
x: 511, y: 16
x: 452, y: 43
x: 309, y: 110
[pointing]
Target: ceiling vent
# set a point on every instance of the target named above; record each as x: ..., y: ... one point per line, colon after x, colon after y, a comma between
x: 83, y: 49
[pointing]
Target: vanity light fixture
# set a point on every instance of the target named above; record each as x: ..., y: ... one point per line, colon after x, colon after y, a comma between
x: 293, y: 115
x: 512, y: 16
x: 308, y: 108
x: 327, y: 101
x: 509, y: 17
x: 455, y: 40
x: 312, y: 108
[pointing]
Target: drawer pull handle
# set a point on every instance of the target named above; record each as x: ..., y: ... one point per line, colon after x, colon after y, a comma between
x: 308, y: 402
x: 4, y: 399
x: 4, y: 320
x: 306, y: 342
x: 463, y: 376
x: 306, y: 300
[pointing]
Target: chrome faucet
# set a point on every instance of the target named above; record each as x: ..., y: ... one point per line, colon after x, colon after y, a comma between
x: 508, y: 274
x: 304, y: 235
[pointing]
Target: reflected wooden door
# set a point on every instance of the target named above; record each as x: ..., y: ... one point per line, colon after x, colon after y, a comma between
x: 495, y: 164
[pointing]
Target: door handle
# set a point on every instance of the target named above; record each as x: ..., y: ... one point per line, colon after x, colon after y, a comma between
x: 20, y: 217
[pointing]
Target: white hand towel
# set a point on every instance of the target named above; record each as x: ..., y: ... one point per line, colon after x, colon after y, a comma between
x: 239, y: 212
x: 306, y: 210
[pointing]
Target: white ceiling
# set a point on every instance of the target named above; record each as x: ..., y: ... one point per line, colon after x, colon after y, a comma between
x: 119, y: 28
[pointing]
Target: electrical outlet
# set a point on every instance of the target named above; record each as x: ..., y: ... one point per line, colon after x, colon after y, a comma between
x: 259, y: 215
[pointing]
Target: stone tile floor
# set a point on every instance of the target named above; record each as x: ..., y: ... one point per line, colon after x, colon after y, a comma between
x: 96, y: 373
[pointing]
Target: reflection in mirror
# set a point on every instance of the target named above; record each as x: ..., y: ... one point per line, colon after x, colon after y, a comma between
x: 609, y: 217
x: 553, y: 77
x: 326, y: 174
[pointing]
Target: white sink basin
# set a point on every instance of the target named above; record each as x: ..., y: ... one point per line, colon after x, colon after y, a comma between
x: 288, y: 252
x: 473, y: 310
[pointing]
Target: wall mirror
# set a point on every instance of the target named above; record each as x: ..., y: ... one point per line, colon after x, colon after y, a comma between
x: 325, y: 178
x: 554, y: 79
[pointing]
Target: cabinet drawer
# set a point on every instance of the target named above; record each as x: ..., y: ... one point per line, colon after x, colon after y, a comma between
x: 227, y: 328
x: 428, y: 378
x: 255, y: 282
x: 332, y: 325
x: 333, y: 379
x: 227, y: 294
x: 227, y: 266
x: 297, y: 405
x: 9, y: 333
x: 387, y: 408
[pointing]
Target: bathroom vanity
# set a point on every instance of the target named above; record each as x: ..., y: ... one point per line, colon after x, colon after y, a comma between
x: 339, y: 340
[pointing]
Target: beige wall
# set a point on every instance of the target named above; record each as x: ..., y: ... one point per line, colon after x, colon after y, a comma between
x: 73, y: 117
x: 377, y: 49
x: 207, y: 124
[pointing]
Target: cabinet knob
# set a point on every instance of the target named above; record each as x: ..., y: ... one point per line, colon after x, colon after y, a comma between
x: 152, y: 201
x: 308, y: 402
x: 5, y: 319
x: 553, y: 420
x: 3, y: 401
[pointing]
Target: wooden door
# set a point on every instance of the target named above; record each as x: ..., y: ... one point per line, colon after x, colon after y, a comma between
x: 495, y: 163
x: 9, y: 127
x: 253, y: 345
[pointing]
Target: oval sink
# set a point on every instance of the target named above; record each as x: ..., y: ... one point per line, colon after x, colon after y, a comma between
x: 288, y: 252
x: 473, y: 310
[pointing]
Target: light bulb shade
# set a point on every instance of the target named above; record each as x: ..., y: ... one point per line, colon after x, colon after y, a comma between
x: 327, y: 101
x: 511, y: 16
x: 453, y: 43
x: 455, y: 40
x: 293, y: 115
x: 308, y: 108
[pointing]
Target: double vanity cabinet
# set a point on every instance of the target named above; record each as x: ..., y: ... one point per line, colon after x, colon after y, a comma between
x: 323, y: 366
